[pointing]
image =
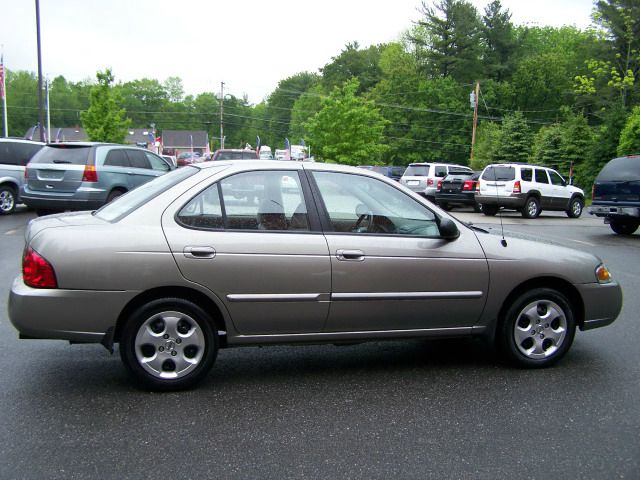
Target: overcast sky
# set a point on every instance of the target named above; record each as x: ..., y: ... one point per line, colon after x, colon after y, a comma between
x: 248, y: 44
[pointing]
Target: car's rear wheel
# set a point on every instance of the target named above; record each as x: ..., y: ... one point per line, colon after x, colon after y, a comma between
x: 575, y: 207
x: 114, y: 194
x: 169, y: 344
x: 477, y: 207
x: 531, y: 208
x: 444, y: 205
x: 489, y: 210
x: 537, y: 329
x: 627, y: 227
x: 7, y: 199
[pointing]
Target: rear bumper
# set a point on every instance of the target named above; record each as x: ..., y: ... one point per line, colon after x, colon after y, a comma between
x: 465, y: 199
x: 513, y: 201
x: 614, y: 211
x: 45, y: 313
x: 81, y: 199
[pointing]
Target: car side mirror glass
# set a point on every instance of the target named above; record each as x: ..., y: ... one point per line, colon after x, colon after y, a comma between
x: 448, y: 229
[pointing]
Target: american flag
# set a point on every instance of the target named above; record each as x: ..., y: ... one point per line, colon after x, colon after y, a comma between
x: 2, y: 77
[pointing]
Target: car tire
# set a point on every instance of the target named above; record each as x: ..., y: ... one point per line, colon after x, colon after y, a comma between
x: 624, y: 227
x: 168, y: 344
x: 7, y: 199
x: 489, y: 210
x: 576, y: 206
x: 537, y: 329
x: 444, y: 206
x: 531, y: 208
x: 477, y: 207
x: 115, y: 194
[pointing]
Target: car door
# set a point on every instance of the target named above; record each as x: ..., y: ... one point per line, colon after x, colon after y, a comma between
x: 543, y: 185
x: 141, y: 170
x: 390, y: 268
x: 560, y: 193
x: 255, y: 244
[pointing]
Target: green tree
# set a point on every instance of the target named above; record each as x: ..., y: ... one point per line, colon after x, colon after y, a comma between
x: 547, y: 145
x: 305, y: 107
x: 353, y: 62
x: 630, y: 135
x: 514, y: 144
x: 348, y: 129
x: 577, y: 143
x: 487, y: 145
x: 499, y: 42
x: 448, y: 39
x: 104, y: 120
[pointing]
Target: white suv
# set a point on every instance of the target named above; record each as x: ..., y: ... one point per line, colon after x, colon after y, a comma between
x: 423, y: 177
x: 527, y: 188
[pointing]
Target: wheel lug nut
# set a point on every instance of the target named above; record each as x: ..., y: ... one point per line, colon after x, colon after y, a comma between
x: 546, y: 325
x: 174, y: 353
x: 178, y: 340
x: 541, y: 335
x: 161, y: 349
x: 165, y: 336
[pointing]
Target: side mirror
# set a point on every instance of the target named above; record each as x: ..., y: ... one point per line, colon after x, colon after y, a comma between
x: 448, y: 229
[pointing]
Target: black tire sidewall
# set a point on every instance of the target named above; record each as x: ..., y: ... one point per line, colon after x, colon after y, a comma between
x: 506, y: 341
x: 135, y: 321
x: 571, y: 204
x: 525, y: 209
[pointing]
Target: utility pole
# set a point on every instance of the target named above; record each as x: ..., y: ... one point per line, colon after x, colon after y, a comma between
x: 475, y: 118
x: 40, y: 109
x: 48, y: 112
x: 221, y: 114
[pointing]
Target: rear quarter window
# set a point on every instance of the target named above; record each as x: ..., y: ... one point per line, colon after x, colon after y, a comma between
x: 417, y: 171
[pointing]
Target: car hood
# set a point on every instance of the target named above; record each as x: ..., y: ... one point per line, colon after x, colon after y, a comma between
x: 60, y: 220
x: 535, y: 258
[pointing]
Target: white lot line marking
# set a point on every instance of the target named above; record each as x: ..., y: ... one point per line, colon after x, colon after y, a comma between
x: 582, y: 242
x: 10, y: 232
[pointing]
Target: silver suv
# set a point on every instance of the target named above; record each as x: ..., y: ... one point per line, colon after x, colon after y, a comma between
x: 85, y: 176
x: 528, y: 189
x: 423, y: 177
x: 15, y: 153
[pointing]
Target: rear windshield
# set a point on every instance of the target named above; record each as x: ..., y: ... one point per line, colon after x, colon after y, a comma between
x: 251, y: 155
x: 417, y: 171
x: 499, y: 173
x: 397, y: 171
x: 63, y: 154
x: 622, y: 169
x: 124, y: 205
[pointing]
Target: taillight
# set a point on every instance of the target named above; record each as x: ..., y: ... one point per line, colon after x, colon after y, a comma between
x: 36, y: 271
x: 90, y: 174
x: 516, y: 187
x: 467, y: 186
x: 439, y: 186
x: 478, y: 187
x: 430, y: 182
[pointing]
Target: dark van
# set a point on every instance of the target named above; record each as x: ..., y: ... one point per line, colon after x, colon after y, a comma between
x: 616, y: 194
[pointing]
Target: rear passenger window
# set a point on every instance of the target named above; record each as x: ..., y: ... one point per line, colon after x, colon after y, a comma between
x: 541, y: 176
x: 526, y: 174
x: 156, y: 162
x: 204, y: 211
x: 441, y: 171
x: 138, y: 159
x: 116, y: 158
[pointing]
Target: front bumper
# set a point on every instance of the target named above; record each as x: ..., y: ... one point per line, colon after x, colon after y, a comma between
x: 602, y: 304
x: 46, y: 313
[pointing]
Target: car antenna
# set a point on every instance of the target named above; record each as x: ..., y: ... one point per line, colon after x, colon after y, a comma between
x: 503, y: 242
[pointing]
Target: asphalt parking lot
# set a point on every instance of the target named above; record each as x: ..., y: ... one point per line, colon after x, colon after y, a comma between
x: 397, y: 409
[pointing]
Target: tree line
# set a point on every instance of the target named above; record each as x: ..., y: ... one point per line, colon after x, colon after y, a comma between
x: 561, y: 97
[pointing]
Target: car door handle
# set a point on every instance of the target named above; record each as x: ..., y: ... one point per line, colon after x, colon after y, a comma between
x: 199, y: 252
x: 350, y: 255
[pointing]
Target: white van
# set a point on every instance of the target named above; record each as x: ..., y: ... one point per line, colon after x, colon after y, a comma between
x: 265, y: 153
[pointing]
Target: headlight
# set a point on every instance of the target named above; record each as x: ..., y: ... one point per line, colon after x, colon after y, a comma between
x: 602, y: 274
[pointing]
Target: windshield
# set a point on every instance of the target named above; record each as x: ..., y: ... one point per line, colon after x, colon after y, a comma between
x: 417, y: 171
x: 624, y: 169
x: 124, y: 205
x: 499, y: 173
x: 63, y: 154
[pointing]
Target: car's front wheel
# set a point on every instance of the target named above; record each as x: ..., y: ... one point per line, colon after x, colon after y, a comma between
x: 169, y: 344
x: 624, y: 227
x: 575, y: 207
x: 537, y: 329
x: 7, y: 199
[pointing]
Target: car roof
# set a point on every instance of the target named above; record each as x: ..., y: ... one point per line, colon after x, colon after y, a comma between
x: 21, y: 140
